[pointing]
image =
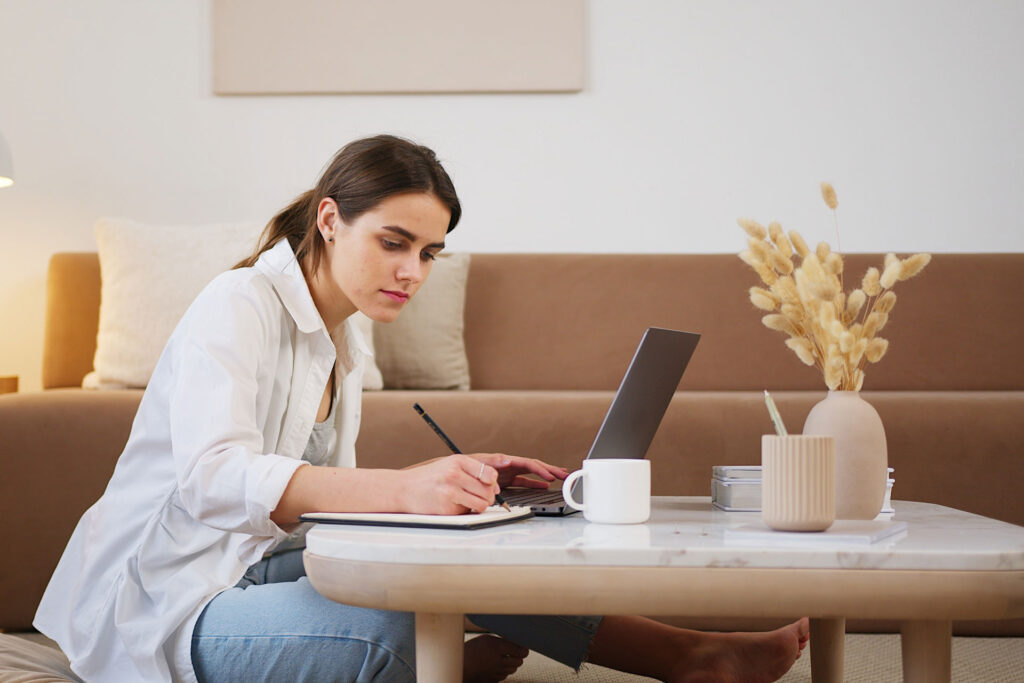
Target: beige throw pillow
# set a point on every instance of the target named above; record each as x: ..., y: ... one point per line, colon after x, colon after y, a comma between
x: 424, y: 347
x: 150, y: 275
x: 372, y: 380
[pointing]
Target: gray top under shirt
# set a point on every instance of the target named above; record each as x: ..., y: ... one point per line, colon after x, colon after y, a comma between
x: 320, y: 438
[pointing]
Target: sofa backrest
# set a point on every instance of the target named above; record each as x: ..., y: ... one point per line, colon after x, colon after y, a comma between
x: 549, y: 321
x: 572, y: 321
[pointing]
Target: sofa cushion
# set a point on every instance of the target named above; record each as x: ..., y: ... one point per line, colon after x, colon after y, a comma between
x: 424, y: 347
x: 23, y: 661
x: 150, y: 275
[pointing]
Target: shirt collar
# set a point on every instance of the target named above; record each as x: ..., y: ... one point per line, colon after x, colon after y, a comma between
x: 282, y: 268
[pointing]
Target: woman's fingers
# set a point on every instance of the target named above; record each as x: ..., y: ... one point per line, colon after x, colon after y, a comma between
x: 540, y: 468
x: 475, y: 483
x: 451, y: 485
x: 529, y: 483
x: 495, y: 460
x: 518, y: 465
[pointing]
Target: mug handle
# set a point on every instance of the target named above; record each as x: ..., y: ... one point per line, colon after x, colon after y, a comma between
x: 567, y: 490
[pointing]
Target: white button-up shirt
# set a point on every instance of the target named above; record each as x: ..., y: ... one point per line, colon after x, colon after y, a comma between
x: 219, y: 433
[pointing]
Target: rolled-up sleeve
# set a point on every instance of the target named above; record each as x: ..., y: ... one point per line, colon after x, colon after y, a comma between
x: 225, y: 478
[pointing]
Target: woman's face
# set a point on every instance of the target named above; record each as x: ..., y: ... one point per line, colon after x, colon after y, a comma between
x: 376, y: 263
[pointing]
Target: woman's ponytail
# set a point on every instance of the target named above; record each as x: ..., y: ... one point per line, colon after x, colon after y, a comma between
x: 292, y: 223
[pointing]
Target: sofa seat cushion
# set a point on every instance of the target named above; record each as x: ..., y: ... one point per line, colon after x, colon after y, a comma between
x: 25, y: 661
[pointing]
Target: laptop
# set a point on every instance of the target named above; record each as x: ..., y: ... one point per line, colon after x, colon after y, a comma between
x: 634, y: 415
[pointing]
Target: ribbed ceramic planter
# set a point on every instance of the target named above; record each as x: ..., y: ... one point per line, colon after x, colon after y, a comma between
x: 798, y: 482
x: 861, y: 455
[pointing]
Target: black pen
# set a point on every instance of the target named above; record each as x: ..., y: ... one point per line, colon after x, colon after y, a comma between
x: 454, y: 449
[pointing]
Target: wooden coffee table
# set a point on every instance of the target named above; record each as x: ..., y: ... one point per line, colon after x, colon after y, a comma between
x: 947, y: 565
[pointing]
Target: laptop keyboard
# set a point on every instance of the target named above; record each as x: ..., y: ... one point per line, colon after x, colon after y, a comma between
x: 530, y: 497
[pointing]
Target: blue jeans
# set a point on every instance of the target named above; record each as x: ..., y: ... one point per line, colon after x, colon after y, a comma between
x: 273, y: 626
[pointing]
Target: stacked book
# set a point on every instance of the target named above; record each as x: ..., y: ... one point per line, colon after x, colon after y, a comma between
x: 736, y: 488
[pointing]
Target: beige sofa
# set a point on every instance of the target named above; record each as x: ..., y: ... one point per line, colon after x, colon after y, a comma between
x: 548, y: 338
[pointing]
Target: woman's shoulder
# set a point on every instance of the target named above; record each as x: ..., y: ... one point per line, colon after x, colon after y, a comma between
x: 235, y: 292
x: 240, y: 283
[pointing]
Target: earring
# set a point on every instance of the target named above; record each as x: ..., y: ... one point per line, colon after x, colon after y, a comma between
x: 330, y: 239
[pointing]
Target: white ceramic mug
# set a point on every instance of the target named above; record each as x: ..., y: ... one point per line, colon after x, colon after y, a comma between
x: 615, y: 491
x: 798, y: 482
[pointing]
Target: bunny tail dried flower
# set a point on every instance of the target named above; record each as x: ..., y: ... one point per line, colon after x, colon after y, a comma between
x: 828, y: 193
x: 854, y: 303
x: 876, y: 349
x: 779, y: 323
x: 822, y: 251
x: 886, y: 302
x: 753, y: 228
x: 834, y: 373
x: 763, y: 299
x: 870, y: 283
x: 827, y: 327
x: 785, y: 289
x: 798, y: 244
x: 914, y: 265
x: 803, y: 349
x: 780, y: 263
x: 759, y: 248
x: 768, y: 275
x: 846, y: 341
x: 875, y: 322
x: 890, y: 276
x: 779, y: 240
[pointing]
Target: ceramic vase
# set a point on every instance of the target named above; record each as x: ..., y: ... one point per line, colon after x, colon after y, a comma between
x: 861, y: 456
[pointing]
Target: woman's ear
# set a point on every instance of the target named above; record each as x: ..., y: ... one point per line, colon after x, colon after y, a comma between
x: 327, y: 217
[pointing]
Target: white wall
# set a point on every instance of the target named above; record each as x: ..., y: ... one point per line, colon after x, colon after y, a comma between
x: 694, y: 113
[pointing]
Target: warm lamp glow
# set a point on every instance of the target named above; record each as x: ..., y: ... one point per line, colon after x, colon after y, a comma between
x: 5, y: 182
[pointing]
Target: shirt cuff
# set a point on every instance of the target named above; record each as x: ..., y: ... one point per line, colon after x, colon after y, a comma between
x: 265, y: 481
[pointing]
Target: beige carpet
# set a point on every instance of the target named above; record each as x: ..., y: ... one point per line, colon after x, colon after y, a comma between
x: 869, y: 659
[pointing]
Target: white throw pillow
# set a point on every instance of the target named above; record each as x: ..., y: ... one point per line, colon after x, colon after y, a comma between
x: 150, y: 275
x: 424, y: 347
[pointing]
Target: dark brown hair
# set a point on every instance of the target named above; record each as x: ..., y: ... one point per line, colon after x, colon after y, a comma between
x: 362, y: 174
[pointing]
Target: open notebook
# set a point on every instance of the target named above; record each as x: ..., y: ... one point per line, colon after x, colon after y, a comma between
x: 492, y: 516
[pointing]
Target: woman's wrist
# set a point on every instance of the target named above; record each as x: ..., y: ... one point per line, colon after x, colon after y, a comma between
x: 387, y: 491
x: 341, y: 489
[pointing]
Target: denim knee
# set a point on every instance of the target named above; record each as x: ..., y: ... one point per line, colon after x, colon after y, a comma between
x: 288, y: 632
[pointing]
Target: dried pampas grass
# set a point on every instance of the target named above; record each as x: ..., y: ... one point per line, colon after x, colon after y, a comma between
x: 804, y: 298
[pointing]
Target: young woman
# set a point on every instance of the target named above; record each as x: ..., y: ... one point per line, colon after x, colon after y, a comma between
x: 189, y: 566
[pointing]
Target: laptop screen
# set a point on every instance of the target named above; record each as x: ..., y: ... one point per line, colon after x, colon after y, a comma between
x: 644, y: 395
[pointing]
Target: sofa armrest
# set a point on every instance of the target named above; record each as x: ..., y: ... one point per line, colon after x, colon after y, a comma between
x: 72, y: 318
x: 58, y: 449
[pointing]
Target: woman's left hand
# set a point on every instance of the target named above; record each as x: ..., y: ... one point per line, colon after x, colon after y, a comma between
x: 513, y: 470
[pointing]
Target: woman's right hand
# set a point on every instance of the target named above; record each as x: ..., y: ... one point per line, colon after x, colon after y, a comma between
x: 449, y: 486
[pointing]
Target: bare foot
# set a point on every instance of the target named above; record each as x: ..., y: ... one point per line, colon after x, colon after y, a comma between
x: 489, y: 659
x: 743, y: 657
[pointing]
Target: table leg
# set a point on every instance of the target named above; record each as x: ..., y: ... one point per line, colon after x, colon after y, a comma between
x: 927, y: 650
x: 828, y: 640
x: 439, y: 642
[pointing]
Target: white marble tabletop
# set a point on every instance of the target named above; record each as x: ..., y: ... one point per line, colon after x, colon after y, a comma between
x: 688, y: 532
